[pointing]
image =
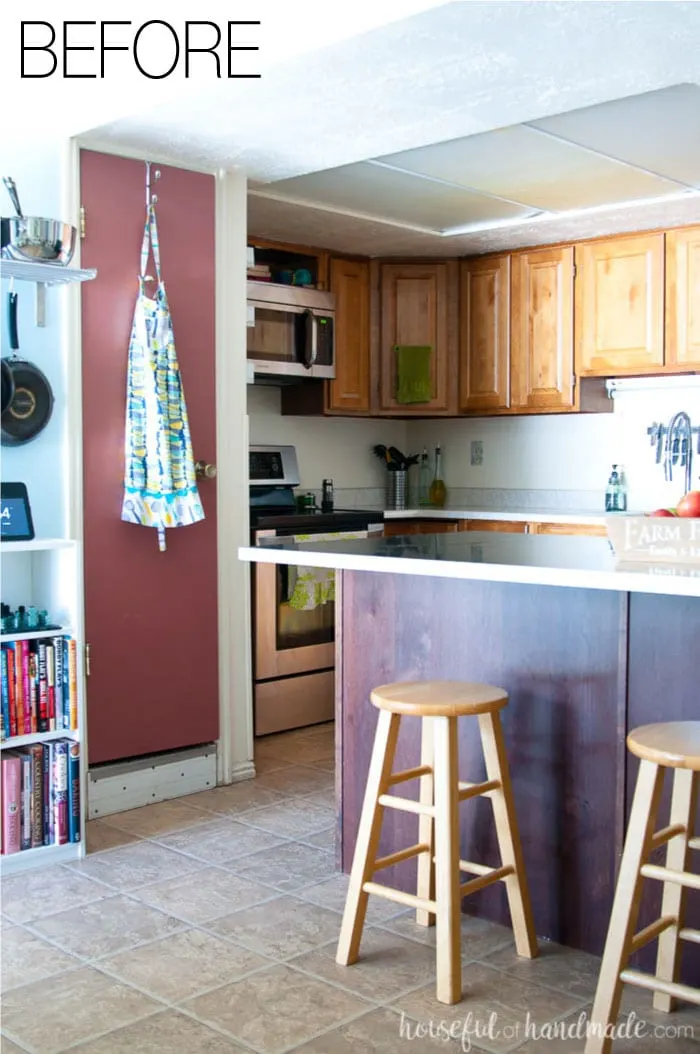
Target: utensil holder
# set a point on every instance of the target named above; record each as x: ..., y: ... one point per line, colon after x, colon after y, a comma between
x: 397, y: 489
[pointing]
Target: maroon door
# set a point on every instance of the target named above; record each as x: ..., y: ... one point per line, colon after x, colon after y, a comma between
x: 151, y: 617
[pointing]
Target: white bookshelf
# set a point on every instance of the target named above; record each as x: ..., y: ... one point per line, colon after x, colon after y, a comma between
x: 47, y: 574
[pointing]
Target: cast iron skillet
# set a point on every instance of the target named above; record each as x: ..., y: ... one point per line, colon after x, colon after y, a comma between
x: 29, y: 410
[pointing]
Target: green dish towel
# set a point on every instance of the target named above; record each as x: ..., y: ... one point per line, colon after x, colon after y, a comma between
x: 414, y: 384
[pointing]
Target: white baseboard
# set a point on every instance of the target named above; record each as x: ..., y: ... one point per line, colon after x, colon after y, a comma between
x: 244, y: 770
x: 143, y: 781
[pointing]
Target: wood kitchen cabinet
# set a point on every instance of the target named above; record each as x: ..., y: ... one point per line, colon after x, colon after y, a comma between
x: 418, y: 306
x: 620, y: 305
x: 503, y: 526
x: 416, y: 526
x: 592, y: 529
x: 683, y: 298
x: 350, y: 390
x: 542, y: 330
x: 484, y: 348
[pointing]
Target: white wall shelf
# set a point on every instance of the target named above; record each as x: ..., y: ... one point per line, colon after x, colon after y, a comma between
x: 36, y: 634
x: 38, y: 737
x: 36, y: 545
x: 40, y: 857
x: 43, y: 274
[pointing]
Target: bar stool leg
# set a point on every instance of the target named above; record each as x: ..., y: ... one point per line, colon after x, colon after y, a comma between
x: 367, y: 841
x: 625, y: 909
x: 447, y: 874
x: 425, y: 887
x: 673, y: 899
x: 508, y: 835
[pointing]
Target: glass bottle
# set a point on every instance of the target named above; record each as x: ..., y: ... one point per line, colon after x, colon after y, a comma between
x: 615, y: 492
x: 438, y: 490
x: 424, y: 478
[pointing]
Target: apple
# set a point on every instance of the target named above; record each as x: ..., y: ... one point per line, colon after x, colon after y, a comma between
x: 662, y: 512
x: 690, y: 504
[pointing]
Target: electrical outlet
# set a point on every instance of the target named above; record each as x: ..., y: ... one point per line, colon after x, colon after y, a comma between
x: 477, y: 452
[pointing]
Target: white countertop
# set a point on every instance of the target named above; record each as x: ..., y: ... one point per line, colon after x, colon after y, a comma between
x: 517, y: 515
x: 533, y: 559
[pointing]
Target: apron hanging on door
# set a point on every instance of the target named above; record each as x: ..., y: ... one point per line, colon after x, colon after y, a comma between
x: 160, y: 488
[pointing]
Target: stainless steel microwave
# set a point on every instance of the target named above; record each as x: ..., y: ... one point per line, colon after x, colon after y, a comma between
x: 291, y: 331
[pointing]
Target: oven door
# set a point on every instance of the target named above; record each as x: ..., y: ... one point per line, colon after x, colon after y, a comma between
x: 294, y: 615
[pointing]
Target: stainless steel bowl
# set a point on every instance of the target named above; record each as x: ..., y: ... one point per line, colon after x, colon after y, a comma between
x: 37, y: 238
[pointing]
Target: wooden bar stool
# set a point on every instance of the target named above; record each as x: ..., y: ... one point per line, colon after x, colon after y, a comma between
x: 675, y: 745
x: 439, y: 704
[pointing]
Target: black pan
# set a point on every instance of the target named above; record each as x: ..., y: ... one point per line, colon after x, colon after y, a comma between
x: 29, y: 410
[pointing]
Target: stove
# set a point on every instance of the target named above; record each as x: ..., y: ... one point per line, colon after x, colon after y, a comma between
x: 293, y: 609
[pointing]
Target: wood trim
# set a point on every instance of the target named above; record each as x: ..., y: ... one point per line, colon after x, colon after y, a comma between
x: 504, y: 526
x: 339, y: 726
x: 590, y: 529
x: 682, y: 299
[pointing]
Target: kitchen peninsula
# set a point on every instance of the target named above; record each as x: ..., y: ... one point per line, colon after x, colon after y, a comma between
x: 587, y: 649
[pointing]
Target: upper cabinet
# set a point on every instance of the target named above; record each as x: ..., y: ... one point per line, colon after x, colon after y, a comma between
x: 484, y: 346
x: 418, y: 305
x: 620, y: 305
x: 683, y: 298
x: 350, y: 390
x: 542, y: 330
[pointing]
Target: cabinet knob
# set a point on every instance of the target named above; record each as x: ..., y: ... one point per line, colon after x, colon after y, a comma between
x: 203, y: 470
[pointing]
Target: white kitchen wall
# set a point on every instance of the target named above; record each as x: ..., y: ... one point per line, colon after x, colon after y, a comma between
x: 338, y: 448
x: 42, y: 463
x: 547, y: 453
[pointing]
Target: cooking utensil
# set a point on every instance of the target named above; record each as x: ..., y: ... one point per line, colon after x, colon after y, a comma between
x: 8, y: 384
x: 30, y: 410
x: 34, y: 237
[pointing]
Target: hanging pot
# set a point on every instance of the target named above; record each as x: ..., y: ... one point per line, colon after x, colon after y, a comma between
x: 8, y: 384
x: 29, y: 410
x: 35, y: 238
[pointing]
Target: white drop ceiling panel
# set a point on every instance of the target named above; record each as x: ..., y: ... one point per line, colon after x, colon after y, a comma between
x: 523, y: 165
x: 373, y: 190
x: 658, y: 130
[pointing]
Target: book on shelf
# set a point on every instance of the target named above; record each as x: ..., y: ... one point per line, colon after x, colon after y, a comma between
x: 41, y: 795
x: 39, y: 686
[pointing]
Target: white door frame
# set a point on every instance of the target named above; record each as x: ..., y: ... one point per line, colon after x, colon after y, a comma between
x: 234, y: 748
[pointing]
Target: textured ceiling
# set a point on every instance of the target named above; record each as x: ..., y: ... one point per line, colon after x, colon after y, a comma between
x: 451, y: 73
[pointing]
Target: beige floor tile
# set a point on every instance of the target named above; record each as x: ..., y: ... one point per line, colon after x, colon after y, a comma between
x: 220, y: 841
x: 74, y: 1006
x: 286, y: 867
x: 326, y: 764
x: 135, y: 865
x: 332, y: 893
x: 166, y: 1033
x: 321, y: 839
x: 566, y: 1036
x: 8, y: 1047
x: 106, y: 927
x: 488, y: 992
x: 27, y: 958
x: 276, y: 1008
x: 161, y: 818
x: 265, y: 764
x: 101, y: 837
x: 298, y: 780
x: 291, y: 818
x: 380, y: 1032
x: 568, y: 970
x: 480, y: 938
x: 307, y: 750
x: 280, y: 928
x: 326, y: 798
x: 388, y: 965
x: 50, y: 889
x: 204, y: 895
x: 233, y: 799
x: 183, y: 965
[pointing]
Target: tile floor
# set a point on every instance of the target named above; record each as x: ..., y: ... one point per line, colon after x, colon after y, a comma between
x: 207, y: 925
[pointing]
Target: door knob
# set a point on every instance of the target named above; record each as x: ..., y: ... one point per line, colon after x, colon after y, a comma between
x: 203, y: 470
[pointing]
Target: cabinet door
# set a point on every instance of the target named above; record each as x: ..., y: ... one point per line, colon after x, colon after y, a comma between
x: 591, y: 529
x: 504, y: 526
x: 350, y: 388
x: 431, y: 526
x: 619, y: 305
x: 397, y: 527
x: 419, y: 306
x: 683, y: 298
x: 542, y: 330
x: 484, y: 334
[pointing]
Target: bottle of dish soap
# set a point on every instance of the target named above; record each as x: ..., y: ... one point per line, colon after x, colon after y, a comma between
x: 424, y: 479
x: 438, y: 490
x: 616, y: 491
